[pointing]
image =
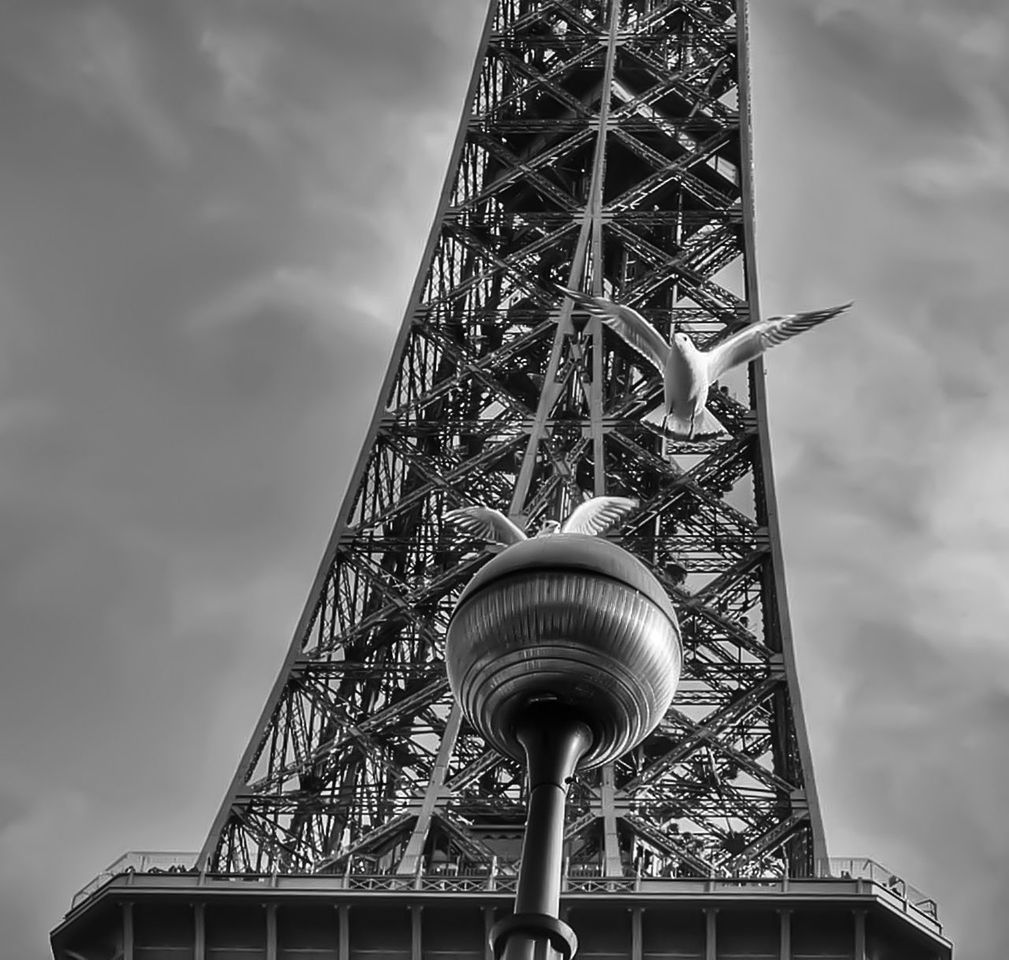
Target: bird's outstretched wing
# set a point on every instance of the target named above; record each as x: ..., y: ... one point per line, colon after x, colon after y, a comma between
x: 633, y: 327
x: 598, y: 514
x: 753, y: 340
x: 485, y: 523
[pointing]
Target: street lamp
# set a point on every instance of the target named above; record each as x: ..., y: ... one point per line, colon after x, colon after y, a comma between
x: 564, y: 652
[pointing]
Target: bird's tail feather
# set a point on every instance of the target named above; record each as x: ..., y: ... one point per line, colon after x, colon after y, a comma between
x: 706, y: 424
x: 677, y: 426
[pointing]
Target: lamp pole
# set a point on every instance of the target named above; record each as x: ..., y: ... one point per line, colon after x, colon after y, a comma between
x: 554, y: 740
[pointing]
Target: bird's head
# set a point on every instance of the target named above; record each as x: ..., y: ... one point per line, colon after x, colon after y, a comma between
x: 548, y: 527
x: 681, y: 340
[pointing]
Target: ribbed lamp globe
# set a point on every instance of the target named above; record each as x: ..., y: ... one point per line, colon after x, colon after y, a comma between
x: 572, y: 619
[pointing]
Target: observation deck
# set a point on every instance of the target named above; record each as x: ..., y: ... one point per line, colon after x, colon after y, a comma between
x: 156, y: 906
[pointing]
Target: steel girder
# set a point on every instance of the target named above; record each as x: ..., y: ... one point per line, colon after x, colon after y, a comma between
x: 604, y: 145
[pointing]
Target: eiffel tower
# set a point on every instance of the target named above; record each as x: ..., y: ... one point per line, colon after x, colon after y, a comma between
x: 605, y: 147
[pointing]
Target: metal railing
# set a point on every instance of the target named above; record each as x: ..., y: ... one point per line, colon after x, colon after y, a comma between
x: 138, y: 861
x: 862, y: 868
x: 366, y: 873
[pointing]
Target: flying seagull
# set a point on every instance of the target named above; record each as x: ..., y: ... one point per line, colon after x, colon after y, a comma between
x: 688, y: 372
x: 595, y: 516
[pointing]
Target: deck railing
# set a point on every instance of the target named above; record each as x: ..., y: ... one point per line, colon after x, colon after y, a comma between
x: 862, y: 868
x: 137, y: 861
x: 365, y: 873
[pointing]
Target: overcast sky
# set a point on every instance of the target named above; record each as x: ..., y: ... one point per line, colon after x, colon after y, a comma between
x: 212, y: 213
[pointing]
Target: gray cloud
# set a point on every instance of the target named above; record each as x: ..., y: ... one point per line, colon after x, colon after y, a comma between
x: 191, y: 343
x: 888, y: 432
x: 92, y: 56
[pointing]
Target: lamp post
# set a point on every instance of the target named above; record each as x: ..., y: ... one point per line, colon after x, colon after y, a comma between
x: 564, y: 652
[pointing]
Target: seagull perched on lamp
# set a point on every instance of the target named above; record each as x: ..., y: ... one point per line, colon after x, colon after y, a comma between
x: 593, y: 517
x: 688, y: 372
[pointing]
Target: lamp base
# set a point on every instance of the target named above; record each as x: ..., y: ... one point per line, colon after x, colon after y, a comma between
x: 533, y: 929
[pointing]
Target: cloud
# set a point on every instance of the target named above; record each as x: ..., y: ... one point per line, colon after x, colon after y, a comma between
x: 926, y: 792
x: 206, y: 255
x: 886, y: 168
x: 976, y: 162
x: 33, y: 817
x: 348, y: 80
x: 92, y: 56
x: 949, y: 73
x: 336, y: 109
x: 297, y: 291
x: 241, y: 59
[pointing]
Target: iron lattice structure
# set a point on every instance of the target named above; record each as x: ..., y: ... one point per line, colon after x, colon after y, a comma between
x: 604, y: 146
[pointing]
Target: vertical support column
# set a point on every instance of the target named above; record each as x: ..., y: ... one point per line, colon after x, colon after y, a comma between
x: 764, y: 474
x: 611, y: 843
x: 127, y: 931
x: 591, y: 228
x: 636, y: 947
x: 411, y: 863
x: 343, y: 948
x: 785, y: 940
x: 595, y: 210
x: 199, y: 931
x: 415, y: 932
x: 859, y: 951
x: 271, y: 931
x: 710, y: 933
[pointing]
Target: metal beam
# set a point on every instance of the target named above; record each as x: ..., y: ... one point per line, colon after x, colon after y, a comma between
x: 415, y: 847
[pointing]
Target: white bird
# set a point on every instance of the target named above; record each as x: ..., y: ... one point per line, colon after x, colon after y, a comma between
x: 593, y: 517
x: 687, y: 372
